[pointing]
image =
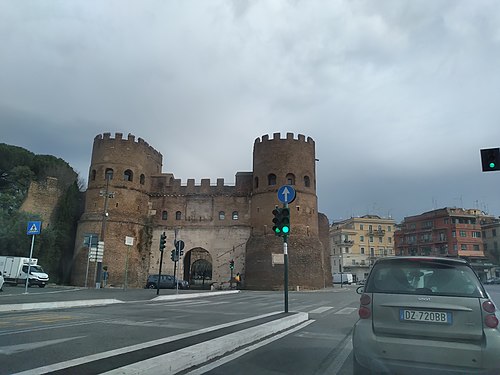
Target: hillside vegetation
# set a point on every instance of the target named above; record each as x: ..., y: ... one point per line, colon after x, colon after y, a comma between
x: 54, y: 246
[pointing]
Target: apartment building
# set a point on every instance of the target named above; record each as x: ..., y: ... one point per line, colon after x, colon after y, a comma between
x: 447, y: 232
x: 491, y: 242
x: 356, y: 242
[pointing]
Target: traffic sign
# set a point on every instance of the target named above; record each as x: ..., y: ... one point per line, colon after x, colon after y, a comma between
x: 34, y: 227
x: 286, y: 194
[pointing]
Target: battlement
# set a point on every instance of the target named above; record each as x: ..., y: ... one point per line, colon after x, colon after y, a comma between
x: 289, y: 137
x: 118, y: 138
x: 166, y: 184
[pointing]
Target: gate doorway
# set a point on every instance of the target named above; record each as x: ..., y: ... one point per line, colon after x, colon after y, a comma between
x: 198, y: 268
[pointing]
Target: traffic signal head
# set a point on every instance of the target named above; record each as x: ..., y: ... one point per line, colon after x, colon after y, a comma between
x: 231, y: 264
x: 163, y: 241
x: 277, y: 221
x: 173, y: 255
x: 285, y: 221
x: 490, y: 159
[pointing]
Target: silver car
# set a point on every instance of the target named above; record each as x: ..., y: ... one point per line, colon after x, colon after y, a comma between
x: 1, y: 282
x: 425, y: 315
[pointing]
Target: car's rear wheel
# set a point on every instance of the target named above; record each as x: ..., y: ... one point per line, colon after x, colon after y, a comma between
x: 41, y: 285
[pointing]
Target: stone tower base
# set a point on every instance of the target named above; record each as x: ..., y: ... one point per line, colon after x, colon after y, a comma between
x: 264, y: 269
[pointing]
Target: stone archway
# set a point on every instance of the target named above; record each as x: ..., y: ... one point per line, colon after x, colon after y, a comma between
x: 198, y: 268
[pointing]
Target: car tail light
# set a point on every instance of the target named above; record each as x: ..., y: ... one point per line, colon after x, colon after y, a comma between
x: 490, y: 320
x: 489, y: 306
x: 364, y: 310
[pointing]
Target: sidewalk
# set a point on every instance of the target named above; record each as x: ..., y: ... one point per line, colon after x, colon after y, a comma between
x: 13, y: 298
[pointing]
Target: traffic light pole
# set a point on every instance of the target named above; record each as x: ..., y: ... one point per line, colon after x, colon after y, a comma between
x: 285, y: 254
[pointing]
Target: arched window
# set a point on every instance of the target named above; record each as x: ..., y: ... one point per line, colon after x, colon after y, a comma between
x: 235, y: 215
x: 142, y: 179
x: 164, y: 215
x: 93, y: 175
x: 256, y: 181
x: 290, y: 179
x: 109, y: 174
x: 271, y: 179
x: 307, y: 181
x: 222, y: 215
x: 128, y: 175
x: 178, y: 215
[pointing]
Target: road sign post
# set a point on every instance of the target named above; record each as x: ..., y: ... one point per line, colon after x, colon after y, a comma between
x: 34, y: 228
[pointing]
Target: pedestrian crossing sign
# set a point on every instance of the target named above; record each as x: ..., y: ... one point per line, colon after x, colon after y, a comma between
x: 34, y: 227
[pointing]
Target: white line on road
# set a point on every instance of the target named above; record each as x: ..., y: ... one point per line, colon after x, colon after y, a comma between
x: 347, y: 310
x: 246, y: 350
x: 337, y: 364
x: 320, y: 310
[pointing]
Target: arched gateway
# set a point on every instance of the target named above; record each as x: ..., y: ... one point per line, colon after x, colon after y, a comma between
x: 198, y: 268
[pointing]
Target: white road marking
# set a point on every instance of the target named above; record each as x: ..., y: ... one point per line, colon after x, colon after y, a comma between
x: 347, y: 310
x: 320, y: 310
x: 246, y: 350
x: 14, y: 349
x: 337, y: 364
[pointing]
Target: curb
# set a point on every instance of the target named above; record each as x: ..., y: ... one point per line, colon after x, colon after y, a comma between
x: 56, y: 305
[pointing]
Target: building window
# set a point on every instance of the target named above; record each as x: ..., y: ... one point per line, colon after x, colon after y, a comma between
x: 446, y: 220
x: 361, y: 226
x: 476, y: 234
x: 178, y: 215
x: 142, y: 179
x: 380, y: 240
x: 290, y: 179
x: 256, y: 182
x: 463, y: 233
x: 353, y: 262
x: 389, y: 228
x: 389, y: 239
x: 222, y: 215
x: 93, y: 175
x: 164, y: 215
x: 362, y: 250
x: 493, y: 232
x: 128, y: 175
x: 370, y: 228
x: 463, y: 246
x: 271, y: 179
x: 109, y: 174
x: 476, y: 247
x: 307, y: 181
x: 362, y: 238
x: 371, y: 238
x: 453, y: 234
x: 235, y: 215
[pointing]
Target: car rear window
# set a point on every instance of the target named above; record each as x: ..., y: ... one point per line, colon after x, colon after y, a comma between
x: 424, y: 277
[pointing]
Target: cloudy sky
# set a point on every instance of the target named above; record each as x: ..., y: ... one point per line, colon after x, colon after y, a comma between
x: 399, y: 96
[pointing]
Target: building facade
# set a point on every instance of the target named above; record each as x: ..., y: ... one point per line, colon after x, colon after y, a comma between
x: 355, y: 243
x: 447, y: 232
x: 128, y: 196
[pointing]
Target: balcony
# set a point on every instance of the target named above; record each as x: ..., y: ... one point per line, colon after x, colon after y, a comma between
x: 376, y: 232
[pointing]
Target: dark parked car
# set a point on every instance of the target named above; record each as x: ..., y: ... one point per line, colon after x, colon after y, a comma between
x: 166, y: 282
x: 425, y: 315
x: 495, y: 280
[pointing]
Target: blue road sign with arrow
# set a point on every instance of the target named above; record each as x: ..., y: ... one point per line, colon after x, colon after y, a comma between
x: 286, y: 194
x: 33, y: 227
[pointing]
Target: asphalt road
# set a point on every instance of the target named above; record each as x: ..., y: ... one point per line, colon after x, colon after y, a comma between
x: 139, y: 329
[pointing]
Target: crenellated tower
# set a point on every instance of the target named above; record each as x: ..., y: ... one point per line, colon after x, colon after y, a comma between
x: 121, y: 169
x: 278, y: 162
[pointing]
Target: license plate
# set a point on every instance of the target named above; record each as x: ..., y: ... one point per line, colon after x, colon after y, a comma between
x: 425, y: 316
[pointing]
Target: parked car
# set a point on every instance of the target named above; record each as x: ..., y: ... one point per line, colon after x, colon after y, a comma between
x: 494, y: 280
x: 166, y: 282
x: 1, y: 282
x: 425, y: 315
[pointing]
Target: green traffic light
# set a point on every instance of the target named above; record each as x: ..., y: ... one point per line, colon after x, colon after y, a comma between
x: 492, y: 165
x: 286, y: 229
